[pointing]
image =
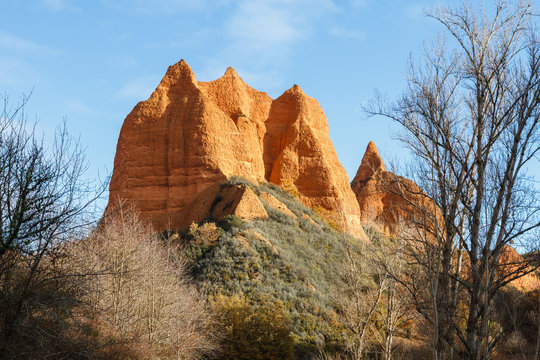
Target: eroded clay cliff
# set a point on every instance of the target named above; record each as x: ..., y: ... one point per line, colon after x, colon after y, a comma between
x: 190, y: 135
x: 385, y: 199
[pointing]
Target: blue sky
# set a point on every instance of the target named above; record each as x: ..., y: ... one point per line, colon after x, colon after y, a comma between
x: 90, y: 62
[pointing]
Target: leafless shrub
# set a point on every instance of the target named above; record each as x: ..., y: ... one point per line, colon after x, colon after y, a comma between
x: 143, y: 301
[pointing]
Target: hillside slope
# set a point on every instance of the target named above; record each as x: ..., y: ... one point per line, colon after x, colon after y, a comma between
x: 290, y: 262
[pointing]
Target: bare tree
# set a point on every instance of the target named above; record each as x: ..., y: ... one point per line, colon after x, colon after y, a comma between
x: 394, y: 311
x: 43, y: 199
x: 139, y: 293
x: 363, y: 293
x: 471, y: 118
x: 374, y: 307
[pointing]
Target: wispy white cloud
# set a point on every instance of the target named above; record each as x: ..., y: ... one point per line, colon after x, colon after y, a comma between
x: 344, y: 33
x: 138, y: 89
x: 260, y: 38
x: 17, y: 57
x: 260, y: 25
x: 163, y: 6
x: 13, y: 43
x: 265, y: 30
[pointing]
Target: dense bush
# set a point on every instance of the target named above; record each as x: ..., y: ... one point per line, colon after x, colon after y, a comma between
x: 252, y: 333
x: 120, y: 293
x: 230, y: 222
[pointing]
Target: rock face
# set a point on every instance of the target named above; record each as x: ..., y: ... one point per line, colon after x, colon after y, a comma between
x: 384, y: 197
x: 237, y: 200
x: 189, y: 136
x: 511, y: 262
x: 276, y: 204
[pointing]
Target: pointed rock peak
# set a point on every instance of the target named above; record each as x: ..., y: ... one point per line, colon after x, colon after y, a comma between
x: 296, y: 89
x: 294, y: 92
x: 179, y: 72
x: 371, y: 163
x: 183, y: 67
x: 371, y: 150
x: 230, y: 77
x: 230, y: 72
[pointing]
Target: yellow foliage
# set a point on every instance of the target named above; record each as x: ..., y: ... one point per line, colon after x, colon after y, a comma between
x: 252, y: 332
x: 331, y: 217
x: 206, y: 234
x: 289, y: 187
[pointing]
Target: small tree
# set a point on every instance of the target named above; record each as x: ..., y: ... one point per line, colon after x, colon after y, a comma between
x: 43, y: 199
x: 373, y: 305
x: 394, y: 313
x: 363, y: 294
x: 471, y: 117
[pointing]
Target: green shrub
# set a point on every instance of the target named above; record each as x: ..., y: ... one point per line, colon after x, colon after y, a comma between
x: 229, y: 222
x: 238, y: 180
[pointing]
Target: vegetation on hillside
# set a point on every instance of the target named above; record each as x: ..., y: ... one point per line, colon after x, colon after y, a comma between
x: 290, y: 264
x: 295, y: 287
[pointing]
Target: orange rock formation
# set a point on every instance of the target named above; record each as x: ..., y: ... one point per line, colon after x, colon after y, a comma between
x: 511, y: 262
x: 386, y: 198
x: 190, y: 135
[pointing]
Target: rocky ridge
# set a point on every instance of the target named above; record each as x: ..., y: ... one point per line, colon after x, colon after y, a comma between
x: 386, y: 198
x: 190, y: 135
